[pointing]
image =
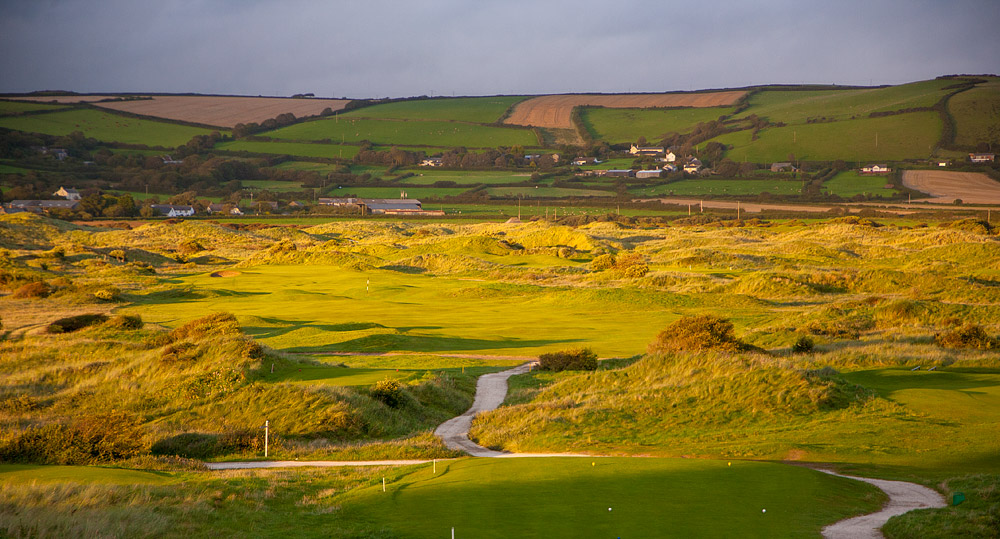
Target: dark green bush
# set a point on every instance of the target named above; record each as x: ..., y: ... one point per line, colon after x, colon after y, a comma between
x: 579, y: 359
x: 91, y: 440
x: 703, y: 332
x: 803, y: 346
x: 967, y: 336
x: 203, y: 446
x: 76, y: 323
x: 388, y: 391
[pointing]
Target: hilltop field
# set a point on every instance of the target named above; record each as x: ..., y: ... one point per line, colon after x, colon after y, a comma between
x: 163, y: 344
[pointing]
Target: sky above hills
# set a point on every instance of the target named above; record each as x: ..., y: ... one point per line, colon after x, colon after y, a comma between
x: 383, y: 48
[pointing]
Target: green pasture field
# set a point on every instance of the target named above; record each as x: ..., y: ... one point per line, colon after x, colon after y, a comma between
x: 977, y: 114
x: 428, y: 175
x: 139, y: 196
x: 321, y: 309
x: 721, y: 187
x: 10, y: 169
x: 795, y: 107
x: 300, y: 149
x: 627, y: 125
x: 374, y: 170
x: 849, y: 183
x: 105, y: 126
x: 320, y: 168
x: 17, y: 107
x: 548, y: 192
x: 609, y: 497
x: 904, y: 136
x: 407, y: 133
x: 482, y: 110
x: 272, y: 185
x: 393, y: 192
x: 610, y: 164
x: 129, y: 151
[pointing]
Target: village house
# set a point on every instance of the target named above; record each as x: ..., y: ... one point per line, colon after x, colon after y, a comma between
x: 670, y: 167
x: 875, y: 169
x: 647, y: 150
x: 982, y: 157
x: 67, y: 193
x: 670, y: 157
x: 693, y: 166
x: 173, y: 210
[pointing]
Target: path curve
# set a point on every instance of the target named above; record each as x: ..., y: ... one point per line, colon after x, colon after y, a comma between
x: 903, y: 497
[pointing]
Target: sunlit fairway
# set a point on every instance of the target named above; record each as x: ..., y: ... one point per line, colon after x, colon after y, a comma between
x: 16, y: 474
x: 366, y: 370
x: 315, y: 309
x: 609, y: 497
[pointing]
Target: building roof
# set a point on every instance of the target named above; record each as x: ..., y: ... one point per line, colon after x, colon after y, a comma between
x: 67, y: 204
x: 391, y: 203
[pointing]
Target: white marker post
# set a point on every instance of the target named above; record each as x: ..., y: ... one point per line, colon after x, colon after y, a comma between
x: 435, y: 465
x: 383, y: 484
x: 267, y: 424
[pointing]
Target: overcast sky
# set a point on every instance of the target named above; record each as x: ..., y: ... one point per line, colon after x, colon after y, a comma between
x: 380, y: 48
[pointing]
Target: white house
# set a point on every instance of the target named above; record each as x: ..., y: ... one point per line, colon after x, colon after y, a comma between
x: 876, y: 169
x: 67, y: 193
x: 172, y: 210
x: 669, y: 157
x: 431, y: 162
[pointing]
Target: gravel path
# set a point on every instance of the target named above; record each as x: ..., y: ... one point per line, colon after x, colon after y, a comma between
x: 903, y: 497
x: 301, y: 463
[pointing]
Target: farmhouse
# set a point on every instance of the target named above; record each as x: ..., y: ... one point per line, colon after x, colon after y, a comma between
x: 782, y: 167
x: 646, y: 150
x: 224, y: 208
x: 68, y: 194
x: 875, y: 169
x: 982, y: 157
x: 670, y: 157
x: 339, y: 202
x: 641, y: 174
x: 431, y: 162
x: 580, y: 161
x: 172, y: 210
x: 693, y: 166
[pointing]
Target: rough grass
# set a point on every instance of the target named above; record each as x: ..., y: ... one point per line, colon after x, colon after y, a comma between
x: 105, y: 126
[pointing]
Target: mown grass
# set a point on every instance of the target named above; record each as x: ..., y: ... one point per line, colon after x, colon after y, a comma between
x: 299, y: 149
x: 105, y: 126
x: 459, y: 109
x: 627, y: 125
x: 903, y: 136
x: 407, y: 133
x: 850, y: 183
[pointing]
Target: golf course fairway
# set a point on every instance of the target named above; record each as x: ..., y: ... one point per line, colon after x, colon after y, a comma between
x: 576, y: 497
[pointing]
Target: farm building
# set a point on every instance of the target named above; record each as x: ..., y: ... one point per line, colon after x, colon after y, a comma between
x: 341, y: 202
x: 641, y: 174
x: 646, y: 150
x: 402, y: 206
x: 431, y: 162
x: 693, y: 166
x: 42, y: 206
x: 782, y: 167
x: 618, y: 173
x: 229, y: 209
x: 875, y: 169
x: 670, y: 157
x: 172, y: 210
x: 982, y: 157
x: 580, y: 161
x: 68, y: 194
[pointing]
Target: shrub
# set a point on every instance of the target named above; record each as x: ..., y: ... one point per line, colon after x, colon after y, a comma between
x: 125, y: 321
x: 579, y: 359
x: 602, y: 262
x: 91, y: 440
x: 191, y: 247
x: 803, y: 346
x: 967, y: 336
x: 703, y: 332
x: 181, y: 351
x: 251, y: 349
x: 107, y: 294
x: 119, y: 255
x: 201, y: 446
x: 76, y: 323
x: 36, y: 289
x: 388, y: 391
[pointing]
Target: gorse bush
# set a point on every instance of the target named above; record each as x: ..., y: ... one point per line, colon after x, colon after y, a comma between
x: 967, y: 336
x: 703, y: 332
x: 76, y: 323
x: 95, y: 439
x: 580, y: 359
x: 36, y: 289
x: 388, y: 391
x: 803, y: 345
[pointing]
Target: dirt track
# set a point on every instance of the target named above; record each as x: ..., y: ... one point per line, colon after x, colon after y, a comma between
x: 946, y: 186
x: 553, y: 111
x: 223, y: 111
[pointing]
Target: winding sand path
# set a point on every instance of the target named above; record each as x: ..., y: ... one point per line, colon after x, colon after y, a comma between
x: 903, y: 497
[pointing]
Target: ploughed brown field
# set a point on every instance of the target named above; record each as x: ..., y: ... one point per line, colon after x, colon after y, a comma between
x: 553, y: 111
x: 224, y: 111
x: 945, y: 186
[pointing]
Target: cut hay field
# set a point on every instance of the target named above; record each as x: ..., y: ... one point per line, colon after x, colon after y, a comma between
x: 406, y: 133
x: 905, y: 136
x: 616, y: 125
x: 17, y: 107
x: 850, y: 183
x: 795, y: 107
x: 298, y: 149
x: 719, y: 187
x: 224, y: 111
x: 554, y: 111
x: 483, y: 110
x: 977, y: 114
x: 945, y: 187
x: 105, y: 126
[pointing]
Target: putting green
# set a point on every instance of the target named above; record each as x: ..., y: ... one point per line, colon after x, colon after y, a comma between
x: 967, y: 395
x: 571, y: 497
